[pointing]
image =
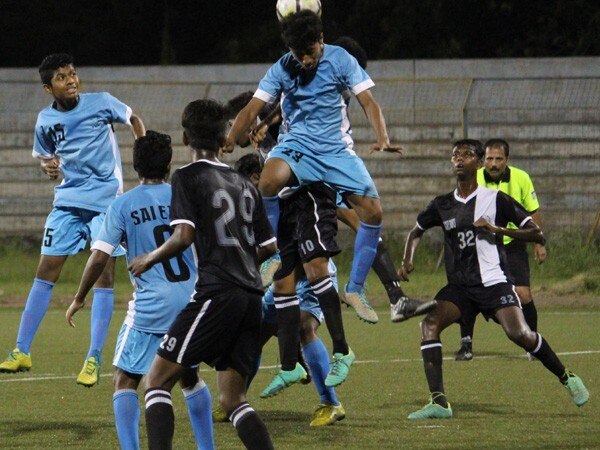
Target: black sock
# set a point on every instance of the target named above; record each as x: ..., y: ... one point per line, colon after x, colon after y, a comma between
x: 530, y: 314
x: 288, y: 329
x: 160, y: 421
x: 546, y: 355
x: 467, y: 326
x: 251, y: 430
x: 432, y: 362
x: 329, y: 300
x: 383, y: 265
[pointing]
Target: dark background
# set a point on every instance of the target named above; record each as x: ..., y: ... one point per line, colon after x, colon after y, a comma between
x: 136, y: 32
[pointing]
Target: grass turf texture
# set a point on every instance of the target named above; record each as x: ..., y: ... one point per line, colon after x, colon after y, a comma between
x: 500, y: 399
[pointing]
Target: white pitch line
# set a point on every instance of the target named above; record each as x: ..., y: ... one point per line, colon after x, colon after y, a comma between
x: 364, y: 361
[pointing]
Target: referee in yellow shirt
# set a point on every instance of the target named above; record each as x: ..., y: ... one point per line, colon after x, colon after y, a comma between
x: 497, y: 174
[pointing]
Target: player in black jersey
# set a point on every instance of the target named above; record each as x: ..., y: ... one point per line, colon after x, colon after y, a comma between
x: 474, y: 222
x: 222, y: 215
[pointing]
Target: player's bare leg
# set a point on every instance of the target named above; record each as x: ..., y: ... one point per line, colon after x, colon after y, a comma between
x: 38, y: 301
x: 444, y: 315
x: 516, y: 328
x: 250, y: 428
x: 529, y: 310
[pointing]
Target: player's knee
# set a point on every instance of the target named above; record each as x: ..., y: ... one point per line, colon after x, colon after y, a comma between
x: 270, y: 184
x: 189, y: 379
x: 430, y: 328
x: 308, y: 330
x: 521, y: 336
x: 230, y: 401
x: 373, y: 214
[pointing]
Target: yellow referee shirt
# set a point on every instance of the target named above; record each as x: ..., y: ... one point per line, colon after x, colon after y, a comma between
x: 517, y: 184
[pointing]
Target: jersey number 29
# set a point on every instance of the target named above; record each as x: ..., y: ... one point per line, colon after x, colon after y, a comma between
x: 222, y: 200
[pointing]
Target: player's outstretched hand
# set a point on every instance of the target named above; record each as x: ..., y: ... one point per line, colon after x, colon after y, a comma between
x: 77, y: 304
x: 139, y: 265
x: 404, y: 270
x: 50, y: 167
x: 386, y: 147
x: 258, y: 134
x: 540, y: 253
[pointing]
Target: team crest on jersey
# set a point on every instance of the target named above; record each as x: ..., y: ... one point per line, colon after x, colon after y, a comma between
x: 57, y: 133
x: 449, y: 224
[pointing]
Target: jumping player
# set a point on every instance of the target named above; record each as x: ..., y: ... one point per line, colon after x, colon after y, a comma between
x: 140, y: 220
x: 497, y: 174
x: 74, y: 135
x: 474, y: 220
x: 316, y: 144
x: 221, y: 214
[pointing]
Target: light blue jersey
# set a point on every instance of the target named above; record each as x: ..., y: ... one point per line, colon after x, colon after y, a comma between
x: 139, y: 219
x: 314, y: 111
x: 84, y: 141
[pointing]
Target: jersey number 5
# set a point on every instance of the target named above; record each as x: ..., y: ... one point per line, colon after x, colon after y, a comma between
x: 184, y: 270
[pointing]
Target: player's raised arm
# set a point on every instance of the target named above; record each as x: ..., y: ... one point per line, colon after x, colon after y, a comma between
x: 246, y: 117
x: 93, y: 270
x: 137, y: 126
x: 375, y: 116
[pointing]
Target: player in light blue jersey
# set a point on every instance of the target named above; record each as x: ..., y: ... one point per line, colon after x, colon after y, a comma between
x: 315, y: 144
x: 140, y: 221
x: 74, y: 136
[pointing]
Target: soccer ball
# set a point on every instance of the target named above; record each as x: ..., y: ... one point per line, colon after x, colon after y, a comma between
x: 286, y: 7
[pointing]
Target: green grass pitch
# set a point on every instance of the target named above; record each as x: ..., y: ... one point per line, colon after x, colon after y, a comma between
x: 500, y: 399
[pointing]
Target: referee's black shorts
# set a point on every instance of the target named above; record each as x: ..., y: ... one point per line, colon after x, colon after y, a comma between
x: 307, y: 227
x: 518, y: 262
x: 222, y: 330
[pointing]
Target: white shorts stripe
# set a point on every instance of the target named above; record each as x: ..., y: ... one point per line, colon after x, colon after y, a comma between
x: 317, y: 222
x: 121, y: 347
x: 191, y: 332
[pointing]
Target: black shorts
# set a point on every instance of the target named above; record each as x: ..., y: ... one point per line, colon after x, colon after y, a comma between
x: 471, y: 300
x: 222, y: 331
x: 518, y: 263
x: 307, y: 227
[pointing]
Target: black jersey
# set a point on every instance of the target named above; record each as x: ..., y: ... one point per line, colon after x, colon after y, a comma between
x: 473, y: 256
x: 230, y: 221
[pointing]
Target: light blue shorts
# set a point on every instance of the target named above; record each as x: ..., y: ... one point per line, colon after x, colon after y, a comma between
x: 67, y: 231
x: 343, y: 171
x: 136, y: 350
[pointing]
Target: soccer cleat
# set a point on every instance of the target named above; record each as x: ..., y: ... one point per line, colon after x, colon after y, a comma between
x: 283, y: 379
x: 268, y: 269
x: 577, y: 389
x: 432, y: 411
x: 218, y: 415
x: 358, y: 301
x: 340, y: 367
x: 406, y: 308
x: 17, y: 361
x: 90, y: 374
x: 465, y: 352
x: 327, y: 414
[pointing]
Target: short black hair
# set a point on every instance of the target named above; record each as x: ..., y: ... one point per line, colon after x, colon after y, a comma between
x: 301, y: 30
x: 152, y: 154
x: 237, y: 103
x: 495, y: 143
x: 51, y: 63
x: 248, y: 165
x: 473, y: 144
x: 205, y: 124
x: 354, y: 48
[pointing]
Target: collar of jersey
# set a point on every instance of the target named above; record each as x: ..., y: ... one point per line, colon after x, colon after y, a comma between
x: 505, y: 178
x: 465, y: 200
x: 214, y: 163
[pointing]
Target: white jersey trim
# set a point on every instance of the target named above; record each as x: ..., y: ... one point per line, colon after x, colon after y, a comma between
x: 362, y: 86
x: 488, y: 256
x: 128, y: 113
x: 115, y: 150
x: 178, y: 221
x: 213, y: 163
x: 267, y: 242
x: 103, y: 247
x: 39, y: 155
x: 264, y: 96
x: 525, y: 220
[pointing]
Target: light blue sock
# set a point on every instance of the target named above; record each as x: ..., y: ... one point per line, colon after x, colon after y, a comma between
x: 272, y: 210
x: 199, y: 406
x: 365, y: 249
x: 35, y: 309
x: 318, y: 360
x: 127, y: 418
x: 102, y: 310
